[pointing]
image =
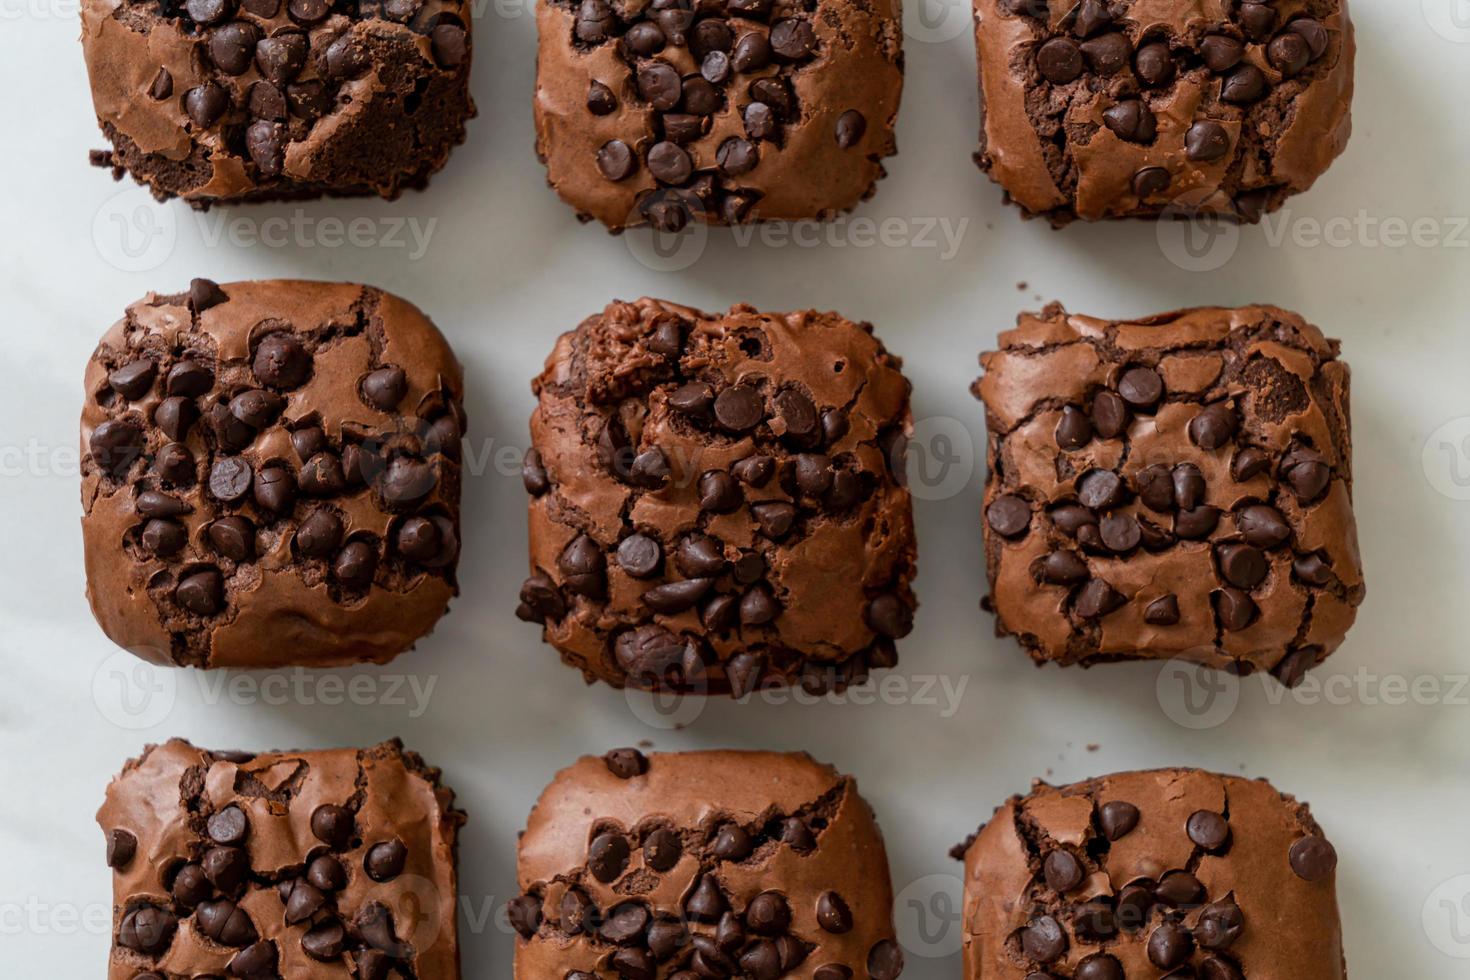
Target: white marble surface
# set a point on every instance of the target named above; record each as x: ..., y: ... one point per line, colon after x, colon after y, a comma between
x: 506, y: 267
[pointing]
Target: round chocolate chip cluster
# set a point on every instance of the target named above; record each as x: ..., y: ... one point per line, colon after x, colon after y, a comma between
x: 225, y: 453
x: 1136, y: 504
x: 709, y: 933
x: 698, y: 105
x: 195, y: 905
x: 256, y: 99
x: 710, y: 493
x: 1205, y: 112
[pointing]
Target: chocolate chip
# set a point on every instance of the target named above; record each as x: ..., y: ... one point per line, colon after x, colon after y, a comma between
x: 890, y: 616
x: 1061, y: 568
x: 851, y: 126
x: 1216, y: 968
x: 1179, y: 889
x: 1117, y: 819
x: 147, y: 929
x: 281, y: 362
x: 281, y: 58
x: 533, y: 474
x: 793, y: 38
x: 739, y: 408
x: 121, y: 846
x: 1206, y: 141
x: 162, y: 87
x: 1101, y: 490
x: 1221, y: 52
x: 1163, y: 611
x: 385, y: 860
x: 174, y: 464
x: 1312, y: 570
x: 1109, y: 415
x: 325, y: 941
x: 1090, y: 17
x: 1207, y: 829
x: 1060, y: 61
x: 659, y: 85
x: 225, y: 923
x: 1099, y: 966
x: 626, y: 763
x: 736, y: 157
x: 1141, y: 388
x: 333, y: 825
x: 1219, y: 926
x: 1311, y: 31
x: 320, y: 535
x: 754, y: 471
x: 134, y: 379
x: 1313, y: 858
x: 595, y: 21
x: 1307, y: 474
x: 776, y: 519
x: 1074, y: 429
x: 716, y: 68
x: 256, y: 408
x: 732, y: 843
x: 616, y: 160
x: 600, y: 99
x: 640, y: 555
x: 1107, y: 54
x: 752, y: 53
x: 1009, y: 515
x: 1242, y: 565
x: 115, y: 444
x: 1120, y: 532
x: 1096, y: 599
x: 275, y: 489
x: 228, y: 827
x: 1257, y: 19
x: 885, y: 960
x: 672, y: 598
x: 385, y: 388
x: 232, y: 47
x: 1063, y: 872
x: 1170, y: 946
x: 1044, y: 940
x: 1234, y: 608
x: 226, y: 867
x: 326, y: 873
x: 1154, y: 64
x: 190, y: 886
x: 207, y: 12
x: 189, y: 379
x: 1131, y: 120
x: 607, y: 857
x: 1150, y: 182
x: 201, y: 593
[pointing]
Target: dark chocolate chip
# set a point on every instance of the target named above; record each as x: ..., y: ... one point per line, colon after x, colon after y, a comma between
x: 1313, y: 858
x: 1163, y: 611
x: 1009, y: 515
x: 1206, y: 141
x: 1117, y: 819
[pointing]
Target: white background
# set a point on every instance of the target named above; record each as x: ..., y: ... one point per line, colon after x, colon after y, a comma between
x: 508, y: 267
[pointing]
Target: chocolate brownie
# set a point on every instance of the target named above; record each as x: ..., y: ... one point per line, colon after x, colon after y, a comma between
x: 336, y: 863
x: 717, y: 500
x: 1132, y: 108
x: 1172, y: 873
x: 703, y: 864
x: 270, y: 475
x: 1178, y: 486
x: 252, y: 100
x: 725, y: 111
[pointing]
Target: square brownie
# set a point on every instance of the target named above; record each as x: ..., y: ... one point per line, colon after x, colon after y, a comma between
x: 271, y: 475
x: 335, y: 863
x: 1131, y: 108
x: 722, y: 111
x: 717, y: 501
x: 703, y: 864
x: 1177, y: 486
x: 1171, y: 873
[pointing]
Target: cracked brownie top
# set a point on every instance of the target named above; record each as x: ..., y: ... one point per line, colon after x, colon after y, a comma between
x: 1173, y: 872
x: 716, y: 500
x: 336, y: 863
x: 703, y: 864
x: 1179, y: 486
x: 1119, y: 108
x: 270, y: 475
